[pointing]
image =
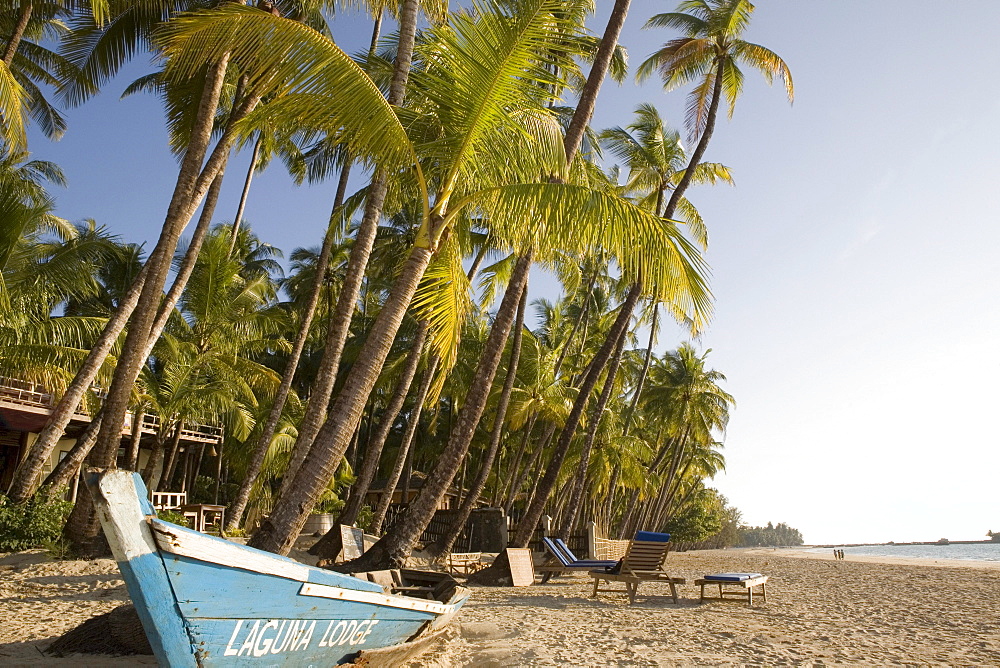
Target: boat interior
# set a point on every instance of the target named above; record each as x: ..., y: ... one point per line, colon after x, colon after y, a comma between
x: 429, y: 585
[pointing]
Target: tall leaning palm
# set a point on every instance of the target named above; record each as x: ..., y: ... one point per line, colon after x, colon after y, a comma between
x: 483, y: 95
x: 709, y: 55
x: 340, y: 317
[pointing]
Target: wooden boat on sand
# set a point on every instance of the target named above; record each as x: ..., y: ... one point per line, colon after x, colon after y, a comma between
x: 205, y: 601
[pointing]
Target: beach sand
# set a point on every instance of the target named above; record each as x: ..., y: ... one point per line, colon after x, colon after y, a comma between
x: 819, y: 611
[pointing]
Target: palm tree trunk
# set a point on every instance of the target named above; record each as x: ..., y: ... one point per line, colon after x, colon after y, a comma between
x: 446, y: 542
x: 674, y: 446
x: 340, y: 319
x: 153, y: 470
x: 598, y: 71
x: 28, y: 472
x: 404, y: 448
x: 62, y: 413
x: 196, y: 467
x: 669, y: 505
x: 616, y: 474
x: 538, y: 464
x: 193, y: 181
x: 548, y: 481
x: 393, y: 548
x: 284, y: 388
x: 503, y: 494
x: 66, y: 469
x: 699, y: 151
x: 19, y: 27
x: 218, y: 474
x: 588, y: 445
x: 477, y: 261
x: 133, y: 452
x: 515, y: 487
x: 329, y: 545
x: 279, y: 530
x: 695, y: 160
x: 673, y: 508
x: 576, y: 325
x: 644, y: 371
x: 23, y: 485
x: 175, y: 445
x: 375, y: 445
x: 681, y: 446
x: 243, y: 196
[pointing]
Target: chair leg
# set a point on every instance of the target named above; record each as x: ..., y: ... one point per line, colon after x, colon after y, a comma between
x: 763, y: 591
x: 632, y: 589
x: 597, y: 581
x: 673, y: 591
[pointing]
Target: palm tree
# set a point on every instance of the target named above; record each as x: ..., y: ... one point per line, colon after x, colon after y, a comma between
x: 445, y: 543
x: 711, y: 49
x: 479, y: 119
x: 124, y: 304
x: 709, y: 54
x: 394, y: 547
x: 340, y: 318
x: 687, y: 399
x: 195, y: 177
x: 25, y: 206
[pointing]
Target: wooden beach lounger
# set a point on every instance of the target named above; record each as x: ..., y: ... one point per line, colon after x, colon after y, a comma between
x: 566, y: 561
x: 643, y: 562
x: 744, y: 581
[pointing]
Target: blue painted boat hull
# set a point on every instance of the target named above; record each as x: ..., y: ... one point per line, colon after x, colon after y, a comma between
x: 204, y: 601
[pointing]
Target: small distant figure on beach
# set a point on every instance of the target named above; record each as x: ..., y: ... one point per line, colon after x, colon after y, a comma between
x: 838, y: 554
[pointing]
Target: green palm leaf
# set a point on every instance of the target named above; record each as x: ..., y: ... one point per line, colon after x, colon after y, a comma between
x: 317, y: 86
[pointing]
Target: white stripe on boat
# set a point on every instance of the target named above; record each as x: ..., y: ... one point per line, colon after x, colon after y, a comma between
x: 406, y: 603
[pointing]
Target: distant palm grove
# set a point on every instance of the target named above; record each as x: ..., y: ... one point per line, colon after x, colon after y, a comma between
x: 397, y: 368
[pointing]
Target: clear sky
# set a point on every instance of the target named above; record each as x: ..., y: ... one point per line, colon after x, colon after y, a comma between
x: 854, y: 264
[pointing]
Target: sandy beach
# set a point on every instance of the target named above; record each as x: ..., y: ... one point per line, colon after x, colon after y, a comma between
x: 819, y: 611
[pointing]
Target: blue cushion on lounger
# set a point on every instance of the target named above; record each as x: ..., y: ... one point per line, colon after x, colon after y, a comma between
x: 556, y: 551
x: 733, y: 577
x: 652, y: 536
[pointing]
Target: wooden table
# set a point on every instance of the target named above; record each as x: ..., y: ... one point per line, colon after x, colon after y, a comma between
x: 746, y: 585
x: 207, y: 518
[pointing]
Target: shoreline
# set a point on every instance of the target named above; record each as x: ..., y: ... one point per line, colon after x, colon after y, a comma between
x: 802, y: 553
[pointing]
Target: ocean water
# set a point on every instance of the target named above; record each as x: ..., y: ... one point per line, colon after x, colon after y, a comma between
x: 973, y: 552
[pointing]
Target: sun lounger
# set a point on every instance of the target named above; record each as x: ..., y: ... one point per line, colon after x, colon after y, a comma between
x: 565, y: 561
x: 744, y: 581
x: 643, y: 562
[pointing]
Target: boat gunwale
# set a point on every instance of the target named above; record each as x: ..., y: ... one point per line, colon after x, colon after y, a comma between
x: 176, y: 540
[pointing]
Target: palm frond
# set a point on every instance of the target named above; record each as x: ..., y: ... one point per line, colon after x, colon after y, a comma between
x: 316, y: 85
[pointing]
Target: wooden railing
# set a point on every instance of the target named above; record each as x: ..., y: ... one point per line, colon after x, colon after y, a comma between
x: 23, y: 393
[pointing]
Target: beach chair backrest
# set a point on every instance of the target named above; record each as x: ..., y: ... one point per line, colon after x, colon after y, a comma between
x: 566, y: 551
x: 647, y: 552
x: 551, y: 546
